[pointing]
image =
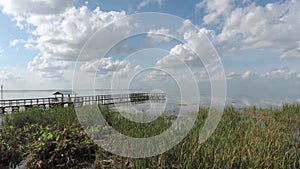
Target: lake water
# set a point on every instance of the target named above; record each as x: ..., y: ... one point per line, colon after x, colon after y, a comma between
x: 169, y: 107
x: 237, y: 100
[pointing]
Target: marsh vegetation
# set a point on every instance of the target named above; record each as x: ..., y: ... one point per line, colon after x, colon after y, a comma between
x: 244, y: 138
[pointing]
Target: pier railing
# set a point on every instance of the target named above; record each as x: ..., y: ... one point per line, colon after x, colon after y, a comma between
x: 131, y: 98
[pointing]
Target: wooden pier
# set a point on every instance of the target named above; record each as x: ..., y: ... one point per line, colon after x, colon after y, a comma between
x: 78, y: 101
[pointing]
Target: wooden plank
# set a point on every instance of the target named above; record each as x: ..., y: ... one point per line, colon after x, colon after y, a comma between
x: 84, y: 100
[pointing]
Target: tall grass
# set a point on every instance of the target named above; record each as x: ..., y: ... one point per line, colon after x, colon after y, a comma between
x: 56, y: 115
x: 244, y: 138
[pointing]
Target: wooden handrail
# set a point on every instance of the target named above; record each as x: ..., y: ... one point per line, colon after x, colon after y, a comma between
x: 99, y: 99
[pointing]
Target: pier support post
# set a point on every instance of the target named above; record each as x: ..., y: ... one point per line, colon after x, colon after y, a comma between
x: 51, y: 105
x: 27, y: 108
x: 15, y: 109
x: 2, y: 110
x: 42, y: 106
x: 70, y: 104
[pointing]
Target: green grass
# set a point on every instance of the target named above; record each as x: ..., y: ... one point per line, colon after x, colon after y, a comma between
x: 244, y: 138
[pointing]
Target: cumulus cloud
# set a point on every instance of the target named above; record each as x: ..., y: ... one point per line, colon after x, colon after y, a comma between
x: 250, y: 26
x: 62, y: 37
x: 15, y: 42
x: 178, y: 57
x: 196, y: 48
x: 157, y: 75
x: 291, y: 54
x: 59, y: 31
x: 57, y: 75
x: 274, y: 25
x: 186, y: 25
x: 215, y: 10
x: 244, y: 75
x: 106, y: 67
x: 16, y: 7
x: 283, y: 73
x: 195, y: 52
x: 233, y: 75
x: 47, y: 65
x: 27, y: 44
x: 160, y: 35
x: 247, y: 74
x: 147, y: 2
x: 4, y: 75
x: 279, y: 73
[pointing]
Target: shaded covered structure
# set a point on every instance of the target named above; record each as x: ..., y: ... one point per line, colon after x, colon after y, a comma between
x: 62, y: 96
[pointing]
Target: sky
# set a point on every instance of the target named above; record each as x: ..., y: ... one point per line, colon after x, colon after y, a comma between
x: 47, y: 44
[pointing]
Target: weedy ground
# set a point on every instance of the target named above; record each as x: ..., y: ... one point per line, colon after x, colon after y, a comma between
x: 245, y: 138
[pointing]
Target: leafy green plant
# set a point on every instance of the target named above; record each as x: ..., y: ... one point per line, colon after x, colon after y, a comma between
x: 61, y: 149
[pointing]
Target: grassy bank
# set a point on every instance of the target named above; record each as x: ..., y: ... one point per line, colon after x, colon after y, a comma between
x: 245, y: 138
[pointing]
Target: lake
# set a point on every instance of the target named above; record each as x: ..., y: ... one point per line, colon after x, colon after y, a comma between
x: 235, y: 100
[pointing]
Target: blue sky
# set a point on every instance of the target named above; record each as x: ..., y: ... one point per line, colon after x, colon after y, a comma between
x: 258, y: 42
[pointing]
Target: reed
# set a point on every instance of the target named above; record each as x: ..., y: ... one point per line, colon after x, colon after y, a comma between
x: 245, y: 138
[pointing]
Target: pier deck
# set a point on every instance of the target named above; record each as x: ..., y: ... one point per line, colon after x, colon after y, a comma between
x: 77, y: 101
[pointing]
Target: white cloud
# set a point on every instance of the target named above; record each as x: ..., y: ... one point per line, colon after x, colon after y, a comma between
x: 233, y: 75
x: 244, y: 75
x: 60, y: 34
x: 63, y: 36
x: 215, y: 10
x: 28, y: 44
x: 147, y: 2
x: 291, y: 54
x: 195, y: 53
x: 280, y: 73
x: 275, y: 25
x: 57, y: 75
x: 157, y: 75
x: 160, y: 35
x: 178, y: 56
x: 16, y: 7
x: 196, y: 48
x: 106, y: 67
x: 1, y: 51
x: 251, y: 26
x: 283, y: 73
x: 47, y: 67
x: 247, y: 74
x: 201, y: 76
x: 186, y: 26
x: 4, y: 75
x: 16, y: 42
